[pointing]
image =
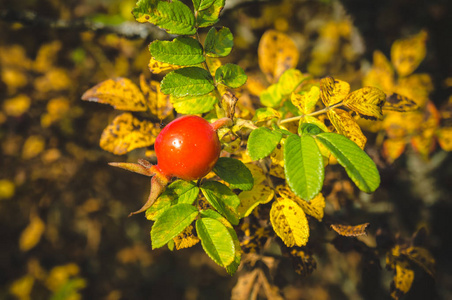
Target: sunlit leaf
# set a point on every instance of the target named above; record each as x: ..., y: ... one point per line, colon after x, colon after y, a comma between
x: 367, y: 102
x: 277, y: 53
x: 209, y: 15
x: 407, y: 54
x: 17, y: 105
x: 174, y: 17
x: 182, y: 51
x: 348, y: 230
x: 194, y: 104
x: 7, y: 189
x: 159, y: 104
x: 314, y: 208
x: 190, y: 81
x: 265, y: 114
x: 172, y: 222
x: 303, y: 166
x: 33, y: 146
x: 289, y: 222
x: 216, y: 240
x: 218, y: 42
x: 260, y: 194
x: 445, y: 138
x: 315, y: 121
x: 121, y: 93
x: 381, y: 74
x: 222, y: 199
x: 126, y: 133
x: 230, y: 75
x: 347, y: 126
x: 290, y: 80
x: 333, y: 91
x: 393, y: 148
x: 262, y: 141
x: 358, y: 165
x: 158, y: 67
x: 306, y: 102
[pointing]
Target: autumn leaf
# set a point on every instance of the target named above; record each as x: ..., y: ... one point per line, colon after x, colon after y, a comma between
x: 393, y: 148
x: 314, y: 208
x: 422, y: 257
x: 332, y: 90
x: 121, y: 93
x: 407, y: 54
x: 347, y: 126
x: 157, y: 67
x: 306, y: 102
x: 381, y: 74
x: 403, y: 279
x: 400, y: 103
x: 347, y: 230
x: 259, y: 194
x: 277, y: 53
x: 367, y: 102
x: 32, y: 234
x: 303, y: 261
x: 126, y: 133
x: 289, y: 222
x: 186, y: 238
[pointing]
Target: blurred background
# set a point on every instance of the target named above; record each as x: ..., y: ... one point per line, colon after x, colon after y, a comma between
x: 64, y: 231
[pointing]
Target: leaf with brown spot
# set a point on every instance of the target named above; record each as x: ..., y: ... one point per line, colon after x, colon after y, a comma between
x: 333, y: 91
x: 126, y: 133
x: 121, y: 93
x: 381, y: 74
x: 367, y: 102
x: 403, y: 279
x: 348, y: 230
x: 396, y: 102
x: 347, y: 126
x: 157, y: 67
x: 422, y: 257
x: 186, y: 238
x: 277, y: 53
x: 314, y: 208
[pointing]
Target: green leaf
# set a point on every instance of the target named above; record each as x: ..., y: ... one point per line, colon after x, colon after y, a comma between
x: 191, y: 105
x: 182, y: 51
x: 222, y: 199
x: 359, y: 166
x: 314, y: 121
x: 231, y: 268
x: 262, y: 141
x: 190, y: 81
x: 218, y: 43
x: 303, y: 166
x: 309, y: 128
x: 234, y: 172
x: 180, y: 191
x: 271, y: 96
x: 216, y: 241
x: 174, y: 17
x: 231, y: 75
x: 171, y: 223
x: 202, y: 4
x: 290, y: 80
x: 209, y: 16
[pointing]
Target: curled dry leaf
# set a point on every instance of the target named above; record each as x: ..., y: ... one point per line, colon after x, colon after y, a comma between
x: 347, y: 230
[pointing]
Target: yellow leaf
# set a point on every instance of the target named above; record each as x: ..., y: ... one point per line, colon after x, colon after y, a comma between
x: 277, y: 53
x: 347, y: 126
x: 381, y: 74
x: 46, y: 56
x: 13, y: 78
x: 306, y: 102
x: 213, y: 63
x: 416, y: 87
x: 33, y: 146
x: 260, y: 194
x: 126, y: 133
x: 14, y: 55
x: 21, y: 288
x: 399, y: 125
x: 303, y: 261
x: 277, y: 159
x: 158, y: 67
x: 17, y: 106
x: 186, y: 238
x: 255, y: 83
x: 348, y: 230
x: 121, y: 93
x: 266, y: 114
x: 31, y: 235
x: 159, y: 103
x: 7, y: 189
x: 314, y: 208
x: 407, y: 54
x: 403, y: 279
x: 445, y: 138
x: 57, y: 108
x: 333, y: 90
x: 289, y: 222
x: 393, y: 148
x: 55, y: 79
x: 422, y: 257
x: 396, y: 102
x: 367, y: 102
x: 59, y: 275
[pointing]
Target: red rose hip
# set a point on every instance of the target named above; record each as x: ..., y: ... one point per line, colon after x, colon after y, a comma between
x: 187, y: 148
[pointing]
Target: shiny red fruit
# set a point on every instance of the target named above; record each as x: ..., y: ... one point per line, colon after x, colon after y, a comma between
x: 187, y: 148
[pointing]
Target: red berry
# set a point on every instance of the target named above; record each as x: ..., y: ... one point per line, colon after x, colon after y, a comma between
x: 187, y: 148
